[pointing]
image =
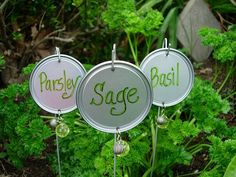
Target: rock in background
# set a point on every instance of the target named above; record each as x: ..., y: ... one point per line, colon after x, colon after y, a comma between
x: 194, y: 16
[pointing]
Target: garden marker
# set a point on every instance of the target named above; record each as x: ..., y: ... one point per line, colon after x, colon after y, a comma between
x: 114, y: 96
x: 171, y: 75
x: 53, y: 84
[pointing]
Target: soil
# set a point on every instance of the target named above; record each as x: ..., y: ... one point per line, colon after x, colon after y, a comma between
x: 41, y: 168
x: 199, y: 161
x: 33, y: 168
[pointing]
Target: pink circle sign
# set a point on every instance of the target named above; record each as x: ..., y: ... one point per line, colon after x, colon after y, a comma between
x: 54, y: 81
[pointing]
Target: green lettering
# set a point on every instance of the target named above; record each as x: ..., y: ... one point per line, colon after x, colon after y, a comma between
x: 100, y: 87
x: 132, y: 92
x: 43, y: 79
x: 109, y: 98
x: 64, y: 95
x: 75, y: 84
x: 173, y: 76
x: 48, y: 85
x: 60, y: 85
x: 54, y: 82
x: 165, y: 79
x: 64, y: 74
x: 162, y: 80
x: 169, y: 78
x: 154, y: 77
x: 120, y: 98
x: 69, y: 83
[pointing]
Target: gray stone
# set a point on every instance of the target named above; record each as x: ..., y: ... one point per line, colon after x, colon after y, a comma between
x: 194, y: 16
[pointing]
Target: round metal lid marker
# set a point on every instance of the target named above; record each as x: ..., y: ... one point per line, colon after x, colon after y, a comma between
x: 171, y: 75
x: 53, y: 83
x: 114, y: 95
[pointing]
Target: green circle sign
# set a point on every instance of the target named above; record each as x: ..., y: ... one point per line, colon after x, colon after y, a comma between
x: 171, y: 75
x: 114, y: 99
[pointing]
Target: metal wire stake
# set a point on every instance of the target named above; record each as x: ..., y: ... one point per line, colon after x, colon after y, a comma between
x: 166, y: 46
x: 58, y: 156
x: 114, y: 156
x: 58, y: 152
x: 113, y: 57
x: 58, y: 54
x: 155, y: 145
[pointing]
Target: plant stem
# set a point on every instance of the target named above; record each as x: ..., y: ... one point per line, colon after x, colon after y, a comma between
x: 198, y: 147
x: 190, y: 115
x: 216, y: 73
x: 177, y: 114
x: 132, y: 49
x: 230, y: 95
x: 192, y: 121
x: 80, y: 124
x: 189, y: 142
x: 136, y: 48
x: 147, y: 172
x: 47, y: 117
x: 153, y: 137
x: 215, y: 78
x: 208, y: 164
x: 165, y: 26
x: 226, y: 78
x: 140, y: 137
x: 196, y: 151
x: 190, y: 174
x: 148, y: 43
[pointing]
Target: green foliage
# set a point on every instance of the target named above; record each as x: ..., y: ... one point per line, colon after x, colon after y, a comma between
x: 231, y: 169
x: 222, y: 155
x: 22, y: 131
x: 122, y: 15
x: 224, y: 44
x: 88, y: 66
x: 222, y: 6
x: 32, y: 134
x: 17, y: 36
x: 171, y: 148
x: 90, y: 12
x: 205, y: 104
x: 80, y: 148
x: 180, y: 130
x: 169, y: 155
x: 2, y: 62
x: 212, y: 173
x: 77, y: 3
x: 87, y: 152
x: 130, y: 164
x: 221, y: 152
x: 116, y: 11
x: 28, y: 69
x: 34, y: 9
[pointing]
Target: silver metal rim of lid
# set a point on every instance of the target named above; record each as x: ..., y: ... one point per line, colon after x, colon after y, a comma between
x: 191, y: 73
x: 109, y: 129
x: 50, y: 58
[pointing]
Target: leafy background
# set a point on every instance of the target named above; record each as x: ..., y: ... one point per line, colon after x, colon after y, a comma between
x: 200, y: 139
